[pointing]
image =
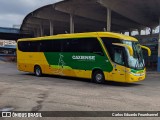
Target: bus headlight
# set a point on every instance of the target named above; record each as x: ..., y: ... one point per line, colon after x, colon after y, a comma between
x: 137, y: 74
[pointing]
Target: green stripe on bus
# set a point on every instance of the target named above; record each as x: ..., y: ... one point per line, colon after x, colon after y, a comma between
x: 79, y: 61
x: 137, y: 71
x: 59, y: 67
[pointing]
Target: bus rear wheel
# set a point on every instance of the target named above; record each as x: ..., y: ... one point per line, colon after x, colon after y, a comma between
x: 37, y: 71
x: 98, y: 77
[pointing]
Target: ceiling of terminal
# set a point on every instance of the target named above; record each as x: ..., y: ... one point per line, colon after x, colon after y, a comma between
x: 91, y: 15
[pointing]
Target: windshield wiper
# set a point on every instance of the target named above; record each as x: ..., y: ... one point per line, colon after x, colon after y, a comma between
x: 139, y: 61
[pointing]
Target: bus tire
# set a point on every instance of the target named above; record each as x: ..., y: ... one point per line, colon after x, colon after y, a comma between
x: 98, y: 77
x: 37, y: 71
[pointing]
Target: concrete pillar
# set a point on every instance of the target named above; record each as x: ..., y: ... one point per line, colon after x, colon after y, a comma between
x: 38, y: 33
x: 139, y: 31
x: 159, y: 49
x: 51, y: 27
x: 71, y: 23
x: 108, y: 19
x: 41, y: 30
x: 130, y: 32
x: 151, y: 31
x: 35, y: 32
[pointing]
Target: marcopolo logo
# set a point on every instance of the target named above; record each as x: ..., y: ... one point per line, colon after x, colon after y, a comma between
x: 83, y: 57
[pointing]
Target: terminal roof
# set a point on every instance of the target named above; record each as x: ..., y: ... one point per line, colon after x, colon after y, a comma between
x: 91, y: 15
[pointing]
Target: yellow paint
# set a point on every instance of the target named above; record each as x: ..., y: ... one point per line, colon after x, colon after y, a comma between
x: 118, y: 73
x: 127, y: 46
x: 27, y: 60
x: 130, y: 78
x: 149, y: 51
x: 85, y: 35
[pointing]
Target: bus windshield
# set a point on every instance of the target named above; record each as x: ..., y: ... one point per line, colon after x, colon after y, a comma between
x: 137, y: 60
x: 121, y: 55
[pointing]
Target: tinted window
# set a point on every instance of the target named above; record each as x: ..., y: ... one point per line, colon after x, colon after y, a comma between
x: 33, y: 46
x: 46, y: 46
x: 68, y: 45
x: 57, y: 47
x: 50, y: 46
x: 82, y: 45
x: 118, y: 55
x: 28, y: 46
x: 109, y: 46
x: 40, y: 46
x: 23, y: 46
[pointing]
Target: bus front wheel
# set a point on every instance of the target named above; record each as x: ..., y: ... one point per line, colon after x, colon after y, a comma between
x: 98, y: 77
x: 37, y: 71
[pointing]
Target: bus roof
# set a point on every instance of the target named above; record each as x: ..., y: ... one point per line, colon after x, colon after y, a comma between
x: 83, y: 35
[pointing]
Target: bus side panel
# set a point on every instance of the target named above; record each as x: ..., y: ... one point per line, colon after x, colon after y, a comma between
x: 27, y: 60
x: 21, y: 61
x: 76, y: 64
x: 119, y: 74
x: 76, y: 73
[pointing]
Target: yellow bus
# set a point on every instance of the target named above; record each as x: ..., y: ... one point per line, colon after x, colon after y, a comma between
x: 98, y: 56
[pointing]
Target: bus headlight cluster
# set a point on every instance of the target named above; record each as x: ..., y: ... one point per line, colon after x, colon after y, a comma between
x: 137, y: 74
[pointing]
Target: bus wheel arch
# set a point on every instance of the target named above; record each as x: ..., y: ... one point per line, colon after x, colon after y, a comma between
x: 98, y: 76
x: 37, y: 71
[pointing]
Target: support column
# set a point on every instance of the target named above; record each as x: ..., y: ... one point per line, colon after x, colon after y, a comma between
x: 41, y: 30
x: 71, y: 23
x: 151, y: 31
x: 159, y: 48
x: 38, y: 32
x: 108, y: 19
x: 139, y: 31
x: 51, y: 27
x: 130, y: 32
x: 35, y: 32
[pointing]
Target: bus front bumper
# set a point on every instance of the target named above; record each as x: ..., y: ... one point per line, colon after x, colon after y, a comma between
x: 135, y: 77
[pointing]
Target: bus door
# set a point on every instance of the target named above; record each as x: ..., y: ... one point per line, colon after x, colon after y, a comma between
x: 119, y: 68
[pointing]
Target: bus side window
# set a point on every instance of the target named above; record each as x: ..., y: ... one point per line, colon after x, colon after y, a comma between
x: 90, y: 45
x: 67, y: 45
x: 39, y: 47
x: 118, y: 55
x: 50, y: 46
x: 33, y: 46
x: 93, y: 46
x: 23, y: 46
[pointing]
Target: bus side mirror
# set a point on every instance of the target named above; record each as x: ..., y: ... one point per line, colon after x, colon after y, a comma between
x: 126, y: 46
x: 147, y: 48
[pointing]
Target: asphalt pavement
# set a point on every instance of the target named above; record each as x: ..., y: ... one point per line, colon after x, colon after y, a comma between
x: 20, y: 91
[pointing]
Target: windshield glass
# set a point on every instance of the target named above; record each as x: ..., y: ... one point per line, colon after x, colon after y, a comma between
x: 121, y: 55
x: 136, y: 61
x: 116, y: 53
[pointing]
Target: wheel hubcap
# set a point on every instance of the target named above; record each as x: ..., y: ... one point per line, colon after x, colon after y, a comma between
x: 99, y: 77
x: 38, y: 71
